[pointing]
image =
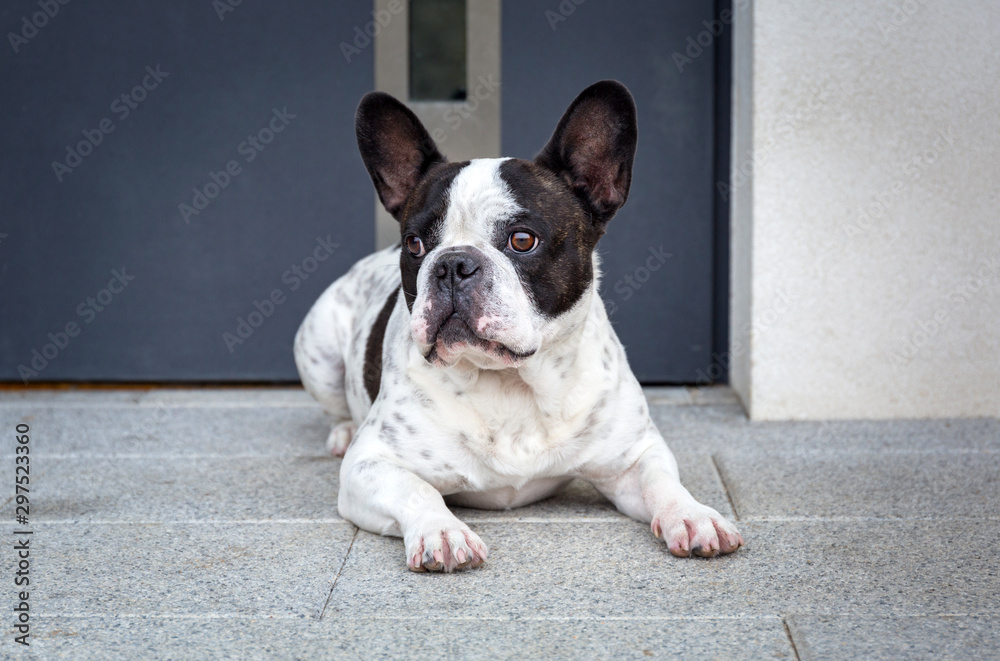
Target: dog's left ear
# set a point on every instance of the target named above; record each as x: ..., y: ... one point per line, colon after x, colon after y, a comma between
x: 593, y: 147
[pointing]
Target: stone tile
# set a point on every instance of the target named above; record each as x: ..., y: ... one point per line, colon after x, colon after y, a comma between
x: 183, y: 489
x: 182, y: 458
x: 246, y: 570
x: 862, y: 484
x: 140, y: 488
x: 76, y: 397
x: 916, y: 637
x: 230, y: 397
x: 116, y: 431
x: 709, y: 426
x: 699, y: 475
x: 580, y: 500
x: 251, y: 396
x: 425, y: 635
x: 667, y: 396
x: 589, y: 569
x: 716, y: 428
x: 713, y: 396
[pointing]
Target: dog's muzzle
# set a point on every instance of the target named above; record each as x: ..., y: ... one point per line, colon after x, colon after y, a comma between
x: 457, y: 274
x: 451, y: 322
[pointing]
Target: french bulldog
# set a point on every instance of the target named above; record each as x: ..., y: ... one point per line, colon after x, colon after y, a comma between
x: 473, y: 364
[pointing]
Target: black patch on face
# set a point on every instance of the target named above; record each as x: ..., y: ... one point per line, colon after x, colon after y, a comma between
x: 560, y: 269
x: 423, y: 216
x: 373, y: 349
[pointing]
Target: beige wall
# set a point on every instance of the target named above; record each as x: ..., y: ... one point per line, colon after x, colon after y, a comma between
x: 866, y: 243
x: 461, y: 129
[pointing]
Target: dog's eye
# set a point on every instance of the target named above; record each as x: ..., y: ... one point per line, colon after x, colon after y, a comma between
x: 522, y: 241
x: 415, y: 246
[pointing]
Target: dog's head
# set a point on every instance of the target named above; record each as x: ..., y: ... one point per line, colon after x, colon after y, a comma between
x: 496, y: 251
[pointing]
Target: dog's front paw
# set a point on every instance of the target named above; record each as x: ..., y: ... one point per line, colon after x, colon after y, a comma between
x: 696, y: 530
x: 444, y: 546
x: 340, y: 437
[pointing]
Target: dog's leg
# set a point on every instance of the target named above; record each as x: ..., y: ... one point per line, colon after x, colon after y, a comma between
x: 650, y: 491
x: 384, y: 498
x: 319, y: 357
x: 340, y: 437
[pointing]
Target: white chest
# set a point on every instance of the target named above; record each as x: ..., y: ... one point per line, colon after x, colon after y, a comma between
x: 508, y: 429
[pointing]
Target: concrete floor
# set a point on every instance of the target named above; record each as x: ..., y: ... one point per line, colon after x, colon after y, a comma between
x: 202, y: 525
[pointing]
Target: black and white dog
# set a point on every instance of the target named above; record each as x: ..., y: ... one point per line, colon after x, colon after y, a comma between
x: 475, y: 365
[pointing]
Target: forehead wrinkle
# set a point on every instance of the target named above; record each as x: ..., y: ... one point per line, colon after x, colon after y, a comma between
x: 479, y: 200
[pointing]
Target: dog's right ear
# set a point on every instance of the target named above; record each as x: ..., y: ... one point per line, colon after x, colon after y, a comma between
x: 396, y: 148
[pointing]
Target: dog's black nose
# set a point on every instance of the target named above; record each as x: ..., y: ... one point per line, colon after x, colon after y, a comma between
x: 457, y: 268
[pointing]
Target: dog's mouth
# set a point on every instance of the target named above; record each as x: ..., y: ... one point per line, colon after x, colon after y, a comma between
x: 455, y: 338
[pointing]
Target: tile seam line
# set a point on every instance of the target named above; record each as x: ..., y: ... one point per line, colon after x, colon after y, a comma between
x: 562, y: 618
x: 497, y: 520
x: 51, y: 404
x: 234, y: 404
x: 379, y: 618
x: 186, y: 522
x: 791, y: 639
x: 888, y: 454
x: 329, y: 595
x: 725, y: 486
x: 287, y: 458
x: 115, y: 522
x: 850, y: 519
x: 803, y: 453
x: 244, y: 405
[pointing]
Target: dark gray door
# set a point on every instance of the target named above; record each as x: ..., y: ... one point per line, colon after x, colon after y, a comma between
x: 174, y: 178
x: 179, y: 181
x: 660, y: 252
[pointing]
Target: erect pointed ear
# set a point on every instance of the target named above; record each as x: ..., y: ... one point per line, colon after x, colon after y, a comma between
x: 395, y: 147
x: 593, y: 147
